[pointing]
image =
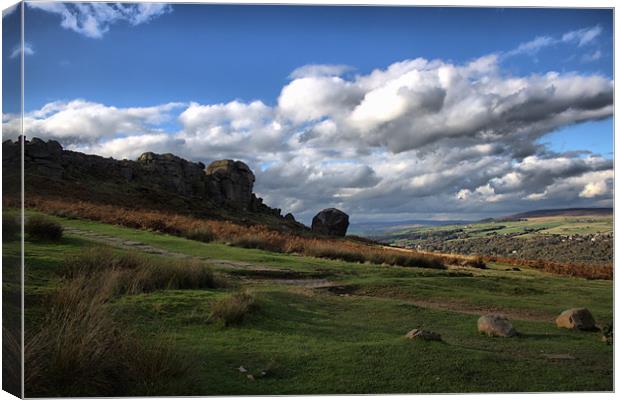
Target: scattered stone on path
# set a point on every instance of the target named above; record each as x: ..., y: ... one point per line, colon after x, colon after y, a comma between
x: 424, y: 335
x: 496, y: 325
x: 576, y: 318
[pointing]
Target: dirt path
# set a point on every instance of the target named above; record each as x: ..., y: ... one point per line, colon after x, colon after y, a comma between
x: 472, y: 309
x: 147, y: 248
x: 224, y: 264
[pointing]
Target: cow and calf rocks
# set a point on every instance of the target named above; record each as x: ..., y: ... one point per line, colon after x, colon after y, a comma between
x: 222, y: 185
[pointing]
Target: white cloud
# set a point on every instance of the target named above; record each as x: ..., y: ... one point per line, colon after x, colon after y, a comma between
x: 581, y: 37
x: 93, y: 20
x: 590, y: 57
x: 84, y: 121
x: 418, y: 137
x: 9, y: 10
x: 594, y: 189
x: 417, y: 103
x: 28, y: 50
x: 533, y: 46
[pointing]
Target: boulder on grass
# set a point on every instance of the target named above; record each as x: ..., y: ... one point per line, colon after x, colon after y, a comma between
x: 330, y: 221
x: 576, y: 318
x: 424, y: 335
x: 496, y: 325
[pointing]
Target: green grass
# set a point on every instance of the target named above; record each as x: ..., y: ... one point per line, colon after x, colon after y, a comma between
x: 313, y: 341
x: 561, y: 225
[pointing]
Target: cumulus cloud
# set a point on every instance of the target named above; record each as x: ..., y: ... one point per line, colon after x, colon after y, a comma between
x: 84, y: 121
x: 93, y: 20
x: 418, y: 138
x: 416, y: 103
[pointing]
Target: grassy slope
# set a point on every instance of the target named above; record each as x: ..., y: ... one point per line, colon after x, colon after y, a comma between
x: 316, y: 342
x: 562, y: 225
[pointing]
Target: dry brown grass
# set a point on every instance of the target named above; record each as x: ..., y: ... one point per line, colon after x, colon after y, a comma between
x: 248, y: 236
x: 588, y: 271
x: 234, y: 308
x: 133, y: 274
x: 260, y: 237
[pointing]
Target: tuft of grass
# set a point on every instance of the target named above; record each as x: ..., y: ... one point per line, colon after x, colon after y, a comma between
x: 162, y: 276
x: 203, y: 234
x: 133, y: 274
x: 41, y: 228
x: 233, y: 308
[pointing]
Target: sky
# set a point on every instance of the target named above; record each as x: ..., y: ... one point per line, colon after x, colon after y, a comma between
x: 387, y: 113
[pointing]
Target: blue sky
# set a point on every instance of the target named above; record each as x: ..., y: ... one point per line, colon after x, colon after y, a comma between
x: 210, y: 55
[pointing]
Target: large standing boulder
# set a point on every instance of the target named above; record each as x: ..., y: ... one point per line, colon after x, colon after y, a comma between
x: 331, y: 222
x: 576, y: 318
x: 496, y: 325
x: 231, y: 183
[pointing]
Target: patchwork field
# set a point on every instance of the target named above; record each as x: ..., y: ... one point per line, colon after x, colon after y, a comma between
x: 560, y: 238
x: 309, y: 325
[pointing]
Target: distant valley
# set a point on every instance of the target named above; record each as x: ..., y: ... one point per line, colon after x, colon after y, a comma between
x: 561, y: 235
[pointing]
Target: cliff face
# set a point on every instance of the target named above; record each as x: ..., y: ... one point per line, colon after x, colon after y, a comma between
x: 153, y: 180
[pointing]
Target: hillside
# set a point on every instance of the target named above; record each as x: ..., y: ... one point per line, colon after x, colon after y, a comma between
x: 309, y: 326
x: 561, y: 212
x: 156, y: 182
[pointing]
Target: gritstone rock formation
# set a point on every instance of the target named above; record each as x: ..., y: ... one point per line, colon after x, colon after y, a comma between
x: 153, y: 180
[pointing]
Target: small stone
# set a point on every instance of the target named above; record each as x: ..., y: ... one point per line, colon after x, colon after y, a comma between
x: 242, y: 370
x: 424, y: 335
x: 496, y: 325
x: 250, y: 377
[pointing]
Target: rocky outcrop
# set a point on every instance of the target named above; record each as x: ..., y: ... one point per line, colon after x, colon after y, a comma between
x: 576, y: 318
x: 330, y: 221
x: 496, y: 325
x: 225, y: 184
x: 231, y: 183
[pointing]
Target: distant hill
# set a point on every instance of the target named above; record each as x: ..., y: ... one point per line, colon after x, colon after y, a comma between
x: 567, y: 212
x: 378, y: 227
